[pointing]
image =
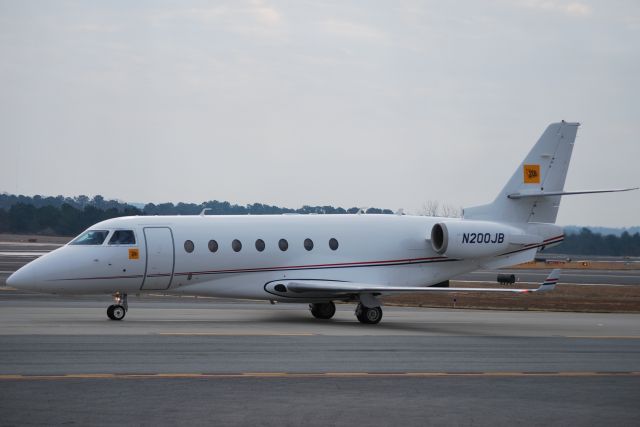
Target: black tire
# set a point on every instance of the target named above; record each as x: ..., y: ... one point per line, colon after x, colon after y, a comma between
x: 323, y: 310
x: 110, y: 312
x: 118, y: 312
x: 368, y: 316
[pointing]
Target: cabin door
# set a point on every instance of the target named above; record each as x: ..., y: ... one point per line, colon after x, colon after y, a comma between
x: 160, y: 258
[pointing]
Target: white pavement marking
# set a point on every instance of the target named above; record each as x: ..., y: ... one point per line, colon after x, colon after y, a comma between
x: 31, y: 244
x: 567, y: 271
x: 23, y: 253
x: 537, y: 284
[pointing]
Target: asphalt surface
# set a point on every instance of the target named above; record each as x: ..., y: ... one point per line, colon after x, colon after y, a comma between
x: 291, y: 354
x: 196, y: 361
x: 202, y: 361
x: 323, y: 402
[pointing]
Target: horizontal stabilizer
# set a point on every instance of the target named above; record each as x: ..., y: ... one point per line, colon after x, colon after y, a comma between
x: 516, y: 196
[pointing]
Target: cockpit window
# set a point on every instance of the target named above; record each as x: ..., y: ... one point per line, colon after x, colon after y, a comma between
x: 91, y: 237
x: 123, y: 237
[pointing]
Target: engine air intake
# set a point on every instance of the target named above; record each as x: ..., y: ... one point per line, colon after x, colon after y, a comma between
x: 439, y: 238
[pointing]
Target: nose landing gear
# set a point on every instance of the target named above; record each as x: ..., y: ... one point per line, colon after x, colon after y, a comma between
x: 118, y: 310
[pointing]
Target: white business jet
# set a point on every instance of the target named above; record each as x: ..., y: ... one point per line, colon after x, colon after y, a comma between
x: 316, y: 259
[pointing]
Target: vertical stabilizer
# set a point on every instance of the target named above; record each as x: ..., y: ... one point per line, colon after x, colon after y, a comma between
x: 544, y: 169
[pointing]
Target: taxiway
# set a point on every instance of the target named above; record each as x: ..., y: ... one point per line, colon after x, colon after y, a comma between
x: 185, y: 360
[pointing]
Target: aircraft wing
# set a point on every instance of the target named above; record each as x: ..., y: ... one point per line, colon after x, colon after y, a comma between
x: 325, y: 288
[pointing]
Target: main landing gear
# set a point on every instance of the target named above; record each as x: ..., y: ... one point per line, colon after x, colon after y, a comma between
x: 366, y: 315
x: 369, y: 316
x: 118, y: 310
x: 323, y: 310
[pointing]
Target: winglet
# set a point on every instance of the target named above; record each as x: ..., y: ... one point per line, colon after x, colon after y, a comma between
x: 550, y: 281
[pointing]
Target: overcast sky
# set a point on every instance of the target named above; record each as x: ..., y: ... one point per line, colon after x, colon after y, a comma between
x: 384, y: 104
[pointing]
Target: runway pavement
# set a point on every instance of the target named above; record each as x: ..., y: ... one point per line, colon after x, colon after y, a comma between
x: 458, y: 401
x: 202, y: 361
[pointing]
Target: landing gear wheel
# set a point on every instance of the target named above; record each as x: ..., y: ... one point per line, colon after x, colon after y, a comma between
x: 369, y: 316
x: 116, y: 312
x: 323, y: 310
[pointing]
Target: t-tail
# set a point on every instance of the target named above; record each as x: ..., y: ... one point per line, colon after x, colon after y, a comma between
x: 533, y: 193
x: 543, y: 169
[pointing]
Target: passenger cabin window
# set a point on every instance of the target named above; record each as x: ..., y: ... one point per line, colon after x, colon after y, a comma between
x: 236, y: 245
x: 213, y: 246
x: 333, y: 244
x: 123, y: 237
x: 308, y: 244
x: 189, y: 246
x: 260, y: 245
x: 91, y: 237
x: 283, y: 245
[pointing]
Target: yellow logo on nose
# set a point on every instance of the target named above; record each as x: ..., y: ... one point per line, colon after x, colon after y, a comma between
x: 134, y: 253
x: 532, y: 174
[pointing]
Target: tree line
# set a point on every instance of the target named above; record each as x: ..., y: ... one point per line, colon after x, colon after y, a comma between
x: 68, y: 216
x: 589, y: 243
x: 216, y: 207
x: 78, y: 202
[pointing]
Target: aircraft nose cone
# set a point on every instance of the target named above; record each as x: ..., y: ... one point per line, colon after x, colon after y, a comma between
x: 24, y: 278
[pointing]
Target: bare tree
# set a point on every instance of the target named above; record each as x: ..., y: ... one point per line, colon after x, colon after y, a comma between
x: 430, y: 208
x: 451, y: 211
x: 433, y: 208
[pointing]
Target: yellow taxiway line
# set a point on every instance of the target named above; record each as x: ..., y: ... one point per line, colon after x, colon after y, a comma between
x: 6, y: 377
x: 309, y: 334
x: 606, y: 337
x: 235, y: 334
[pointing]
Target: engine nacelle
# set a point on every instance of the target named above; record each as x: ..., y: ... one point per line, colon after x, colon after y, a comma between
x: 477, y: 239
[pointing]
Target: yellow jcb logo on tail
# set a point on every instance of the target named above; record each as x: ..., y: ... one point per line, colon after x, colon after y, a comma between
x: 134, y: 253
x: 532, y: 174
